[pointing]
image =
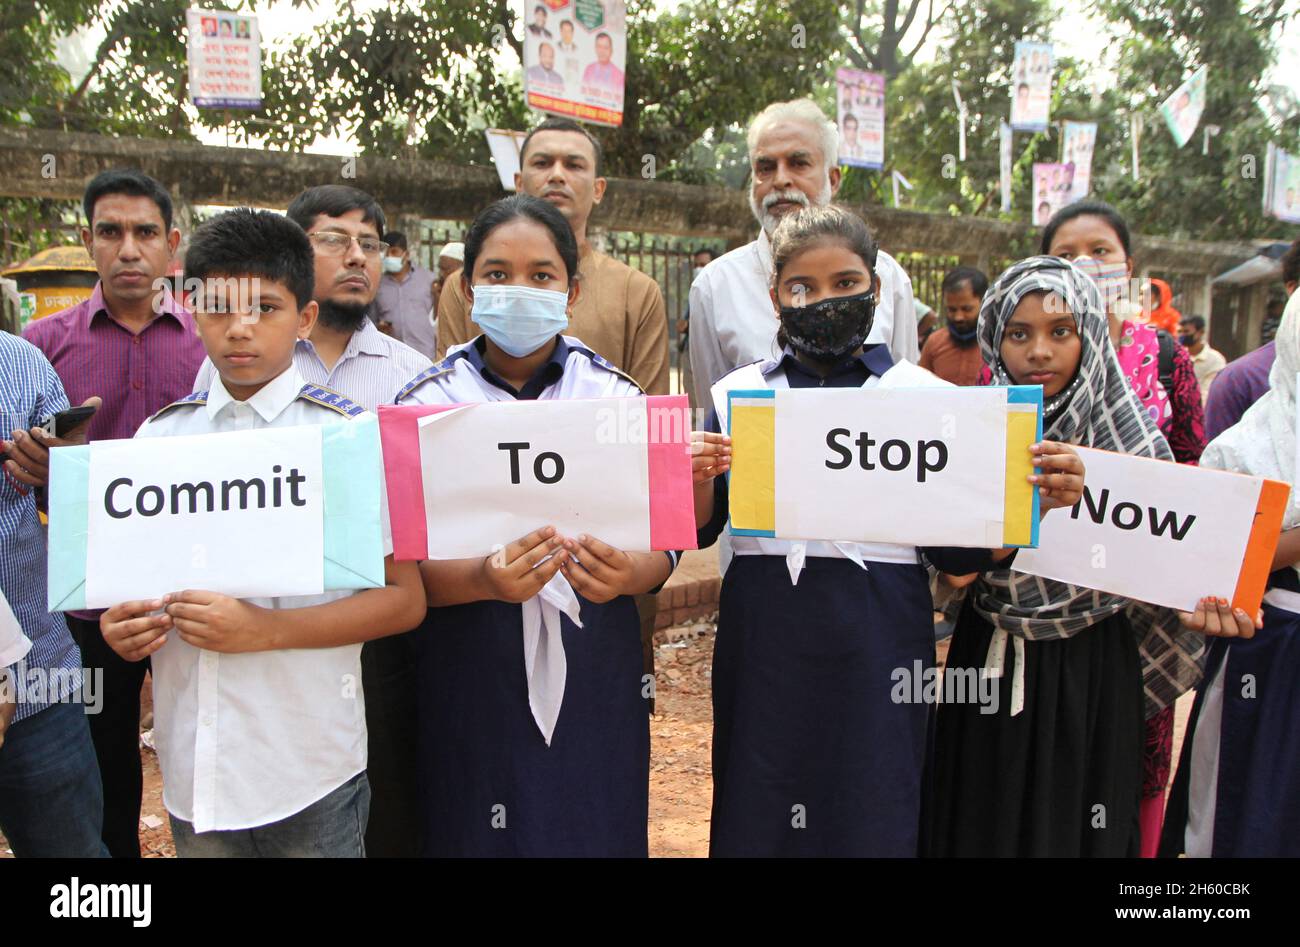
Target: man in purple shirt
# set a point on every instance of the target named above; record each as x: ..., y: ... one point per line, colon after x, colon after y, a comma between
x: 136, y: 347
x: 1245, y: 379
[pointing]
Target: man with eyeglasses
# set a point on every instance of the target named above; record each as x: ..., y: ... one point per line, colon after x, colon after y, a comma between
x: 348, y: 353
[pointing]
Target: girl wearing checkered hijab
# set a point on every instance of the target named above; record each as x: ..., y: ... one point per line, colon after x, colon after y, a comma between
x: 1057, y: 769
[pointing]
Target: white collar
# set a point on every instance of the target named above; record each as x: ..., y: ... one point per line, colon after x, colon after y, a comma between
x: 763, y: 247
x: 270, y: 402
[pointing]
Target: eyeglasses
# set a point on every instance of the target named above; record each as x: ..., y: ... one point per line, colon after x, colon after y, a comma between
x: 336, y: 244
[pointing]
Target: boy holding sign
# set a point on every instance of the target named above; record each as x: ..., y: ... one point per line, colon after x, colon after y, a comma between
x: 825, y: 649
x: 259, y: 718
x: 1057, y: 769
x: 548, y: 755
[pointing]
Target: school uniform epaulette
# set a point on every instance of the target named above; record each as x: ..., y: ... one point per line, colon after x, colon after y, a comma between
x: 446, y: 365
x: 607, y: 364
x: 329, y: 398
x: 194, y: 399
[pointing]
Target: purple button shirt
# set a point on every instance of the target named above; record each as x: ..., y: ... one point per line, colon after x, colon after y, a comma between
x: 136, y: 375
x: 1236, y: 388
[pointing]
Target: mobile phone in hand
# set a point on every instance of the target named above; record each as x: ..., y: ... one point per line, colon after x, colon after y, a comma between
x: 58, y: 425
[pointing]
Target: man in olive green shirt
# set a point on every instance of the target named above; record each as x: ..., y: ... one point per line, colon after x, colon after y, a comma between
x: 620, y: 312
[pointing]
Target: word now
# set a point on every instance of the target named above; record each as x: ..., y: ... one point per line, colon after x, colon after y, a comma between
x: 557, y: 462
x: 931, y: 456
x: 1129, y: 516
x: 151, y: 500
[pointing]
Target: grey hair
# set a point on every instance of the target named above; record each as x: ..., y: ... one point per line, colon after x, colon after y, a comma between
x: 797, y: 110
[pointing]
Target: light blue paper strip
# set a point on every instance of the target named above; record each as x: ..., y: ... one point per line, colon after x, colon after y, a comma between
x: 354, y: 542
x: 1030, y: 394
x: 69, y: 506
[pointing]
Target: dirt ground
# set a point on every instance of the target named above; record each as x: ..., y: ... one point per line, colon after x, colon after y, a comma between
x: 681, y: 785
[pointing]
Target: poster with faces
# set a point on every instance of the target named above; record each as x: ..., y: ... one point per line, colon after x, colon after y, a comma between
x: 860, y: 117
x: 225, y: 60
x: 575, y: 58
x: 1052, y: 187
x: 1031, y: 86
x: 1282, y: 185
x: 1182, y: 110
x: 1078, y: 140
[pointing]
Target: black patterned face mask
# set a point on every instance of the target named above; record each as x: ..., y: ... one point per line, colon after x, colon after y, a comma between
x: 830, y: 329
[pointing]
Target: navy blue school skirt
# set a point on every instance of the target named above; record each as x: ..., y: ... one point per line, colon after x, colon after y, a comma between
x: 1257, y: 803
x: 489, y: 784
x: 812, y: 756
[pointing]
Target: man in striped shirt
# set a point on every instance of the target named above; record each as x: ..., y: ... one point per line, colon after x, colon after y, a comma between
x: 51, y: 802
x: 136, y: 347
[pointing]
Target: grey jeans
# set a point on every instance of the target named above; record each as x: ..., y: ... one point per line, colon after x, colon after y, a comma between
x: 332, y: 827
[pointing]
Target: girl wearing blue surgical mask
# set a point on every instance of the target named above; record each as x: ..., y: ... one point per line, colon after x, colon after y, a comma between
x: 1095, y: 238
x: 534, y: 723
x: 819, y: 743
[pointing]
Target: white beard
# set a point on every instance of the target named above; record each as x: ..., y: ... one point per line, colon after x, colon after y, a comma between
x: 768, y: 221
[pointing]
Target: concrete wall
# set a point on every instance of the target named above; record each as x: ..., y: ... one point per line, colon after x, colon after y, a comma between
x: 200, y: 174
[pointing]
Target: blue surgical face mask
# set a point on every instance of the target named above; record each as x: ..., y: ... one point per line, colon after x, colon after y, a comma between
x: 519, y: 319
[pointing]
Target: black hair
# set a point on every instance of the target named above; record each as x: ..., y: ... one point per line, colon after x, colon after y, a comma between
x: 1291, y: 264
x: 1024, y: 86
x: 564, y: 23
x: 606, y: 36
x: 811, y: 225
x: 334, y: 200
x: 126, y: 181
x: 395, y: 238
x: 713, y: 254
x: 954, y: 279
x: 540, y: 9
x: 849, y: 117
x: 1087, y: 209
x: 258, y: 243
x: 518, y: 206
x: 565, y: 125
x: 1196, y: 322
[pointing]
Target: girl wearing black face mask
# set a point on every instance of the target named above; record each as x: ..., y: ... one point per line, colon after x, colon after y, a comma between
x: 813, y: 753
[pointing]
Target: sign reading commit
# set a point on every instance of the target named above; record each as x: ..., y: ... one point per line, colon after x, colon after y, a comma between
x: 272, y: 512
x: 465, y: 480
x: 915, y: 466
x: 1163, y: 533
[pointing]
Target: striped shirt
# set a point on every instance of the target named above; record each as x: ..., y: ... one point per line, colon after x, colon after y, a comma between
x: 30, y: 390
x: 371, y: 371
x: 137, y: 374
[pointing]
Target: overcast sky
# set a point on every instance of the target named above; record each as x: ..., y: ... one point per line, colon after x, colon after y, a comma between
x: 1076, y: 34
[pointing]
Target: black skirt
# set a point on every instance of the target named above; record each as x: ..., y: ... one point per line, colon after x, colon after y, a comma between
x: 1063, y: 777
x: 818, y: 750
x: 490, y: 786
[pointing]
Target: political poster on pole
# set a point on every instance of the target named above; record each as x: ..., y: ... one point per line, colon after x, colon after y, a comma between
x: 1031, y: 86
x: 575, y: 58
x: 1052, y: 187
x: 225, y: 59
x: 860, y: 115
x: 1182, y: 110
x: 505, y: 147
x: 1078, y: 141
x: 1282, y: 184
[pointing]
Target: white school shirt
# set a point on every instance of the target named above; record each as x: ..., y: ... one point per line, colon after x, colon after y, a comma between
x: 249, y: 739
x: 371, y: 370
x: 796, y: 552
x: 733, y: 324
